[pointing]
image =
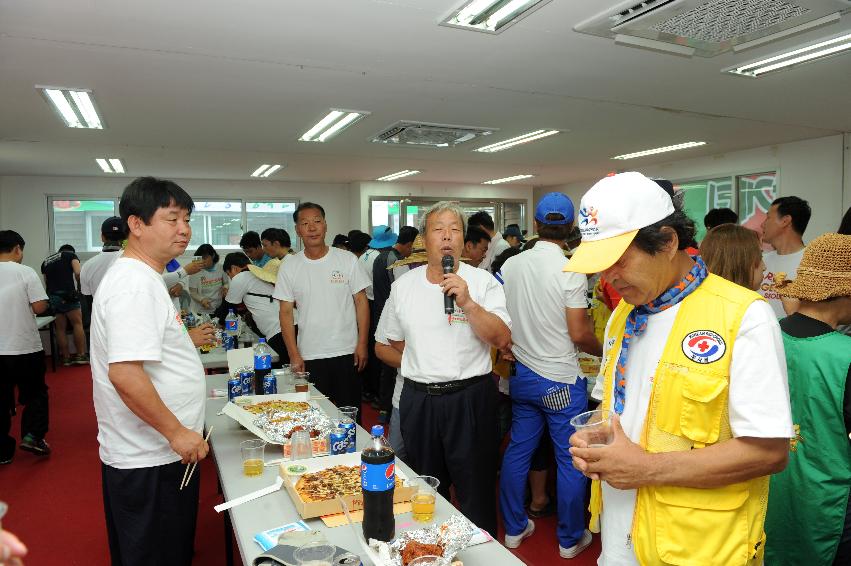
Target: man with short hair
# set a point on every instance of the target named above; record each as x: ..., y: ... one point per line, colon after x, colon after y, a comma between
x: 148, y: 385
x: 333, y: 315
x: 514, y: 236
x: 483, y: 221
x: 476, y: 246
x: 21, y: 354
x: 276, y: 243
x: 695, y: 375
x: 719, y: 216
x: 382, y: 279
x: 253, y: 248
x: 549, y: 312
x: 449, y: 401
x: 112, y: 233
x: 783, y: 229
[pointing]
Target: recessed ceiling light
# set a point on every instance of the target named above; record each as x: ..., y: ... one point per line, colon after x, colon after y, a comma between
x: 794, y: 57
x: 110, y: 164
x: 332, y: 124
x: 491, y: 16
x: 398, y: 175
x: 654, y: 151
x: 507, y: 179
x: 525, y: 138
x: 266, y: 170
x: 75, y: 106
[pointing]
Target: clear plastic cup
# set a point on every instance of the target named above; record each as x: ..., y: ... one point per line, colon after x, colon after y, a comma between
x: 429, y: 560
x: 301, y: 382
x: 594, y: 427
x: 315, y: 554
x: 301, y: 446
x: 252, y: 457
x: 348, y: 414
x: 423, y: 501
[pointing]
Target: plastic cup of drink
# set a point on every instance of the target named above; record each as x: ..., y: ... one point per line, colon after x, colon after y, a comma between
x: 301, y: 382
x: 429, y: 560
x: 301, y: 446
x: 315, y: 554
x: 594, y: 427
x: 348, y: 414
x: 422, y: 503
x: 252, y: 457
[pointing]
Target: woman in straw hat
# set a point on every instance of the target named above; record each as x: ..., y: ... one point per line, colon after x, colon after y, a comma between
x: 809, y: 509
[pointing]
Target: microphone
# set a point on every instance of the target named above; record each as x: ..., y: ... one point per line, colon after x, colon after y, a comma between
x: 448, y: 262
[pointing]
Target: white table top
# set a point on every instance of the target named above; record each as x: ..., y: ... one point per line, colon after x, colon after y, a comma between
x: 277, y: 509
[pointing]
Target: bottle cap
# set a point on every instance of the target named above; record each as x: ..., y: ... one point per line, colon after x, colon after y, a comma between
x: 377, y: 430
x: 261, y: 340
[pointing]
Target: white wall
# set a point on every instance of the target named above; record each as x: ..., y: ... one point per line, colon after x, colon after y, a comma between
x: 23, y: 201
x: 814, y: 170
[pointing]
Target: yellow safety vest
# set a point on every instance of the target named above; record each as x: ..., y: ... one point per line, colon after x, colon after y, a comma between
x: 688, y: 410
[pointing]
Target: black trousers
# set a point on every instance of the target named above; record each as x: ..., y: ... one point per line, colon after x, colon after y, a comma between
x: 276, y: 342
x: 454, y: 437
x: 372, y: 372
x: 26, y: 371
x: 386, y: 385
x: 338, y: 379
x: 149, y: 520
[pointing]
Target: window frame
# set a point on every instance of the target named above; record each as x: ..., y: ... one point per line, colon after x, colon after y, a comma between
x: 499, y: 218
x: 51, y: 227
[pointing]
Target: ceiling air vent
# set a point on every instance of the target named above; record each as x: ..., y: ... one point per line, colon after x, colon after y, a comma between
x: 423, y: 134
x: 709, y: 27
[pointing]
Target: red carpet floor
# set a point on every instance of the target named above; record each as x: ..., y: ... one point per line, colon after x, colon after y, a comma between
x: 55, y: 503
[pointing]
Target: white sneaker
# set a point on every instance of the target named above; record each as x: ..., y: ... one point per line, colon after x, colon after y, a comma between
x: 514, y: 541
x: 577, y: 548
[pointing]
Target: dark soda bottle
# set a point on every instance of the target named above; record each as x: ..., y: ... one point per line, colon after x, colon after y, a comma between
x: 262, y: 364
x: 378, y: 481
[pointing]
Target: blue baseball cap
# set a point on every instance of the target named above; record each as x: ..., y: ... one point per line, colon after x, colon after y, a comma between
x: 383, y: 237
x: 554, y: 203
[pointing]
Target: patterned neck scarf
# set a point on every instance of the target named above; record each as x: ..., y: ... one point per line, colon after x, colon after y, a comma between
x: 636, y: 322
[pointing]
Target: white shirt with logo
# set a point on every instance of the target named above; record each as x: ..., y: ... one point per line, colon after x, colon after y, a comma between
x: 436, y: 350
x: 366, y: 261
x: 778, y: 267
x: 134, y: 319
x: 208, y: 284
x: 323, y: 289
x: 265, y: 311
x: 496, y: 246
x: 537, y: 292
x: 758, y: 400
x: 93, y: 271
x: 20, y: 287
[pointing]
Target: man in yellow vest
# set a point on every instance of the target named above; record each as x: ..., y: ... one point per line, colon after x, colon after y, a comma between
x: 695, y: 378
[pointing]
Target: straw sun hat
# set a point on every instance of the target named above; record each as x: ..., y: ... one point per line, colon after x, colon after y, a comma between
x: 267, y: 273
x: 824, y: 272
x: 418, y: 254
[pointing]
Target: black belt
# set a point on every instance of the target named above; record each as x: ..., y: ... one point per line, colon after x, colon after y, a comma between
x: 446, y: 387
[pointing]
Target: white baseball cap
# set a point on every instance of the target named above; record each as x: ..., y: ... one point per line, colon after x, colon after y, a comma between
x: 610, y: 215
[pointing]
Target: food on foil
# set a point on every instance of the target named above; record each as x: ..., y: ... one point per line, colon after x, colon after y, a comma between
x: 415, y: 549
x: 277, y: 406
x: 451, y: 537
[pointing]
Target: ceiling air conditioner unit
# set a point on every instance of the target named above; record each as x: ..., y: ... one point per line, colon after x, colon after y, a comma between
x: 709, y: 27
x: 423, y: 134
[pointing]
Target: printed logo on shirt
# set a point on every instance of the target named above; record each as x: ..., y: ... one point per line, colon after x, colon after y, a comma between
x: 459, y: 316
x: 179, y: 321
x: 704, y: 346
x: 588, y: 221
x: 769, y: 283
x: 337, y: 277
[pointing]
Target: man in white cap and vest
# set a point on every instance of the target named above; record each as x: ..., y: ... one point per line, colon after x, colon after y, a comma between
x: 694, y: 376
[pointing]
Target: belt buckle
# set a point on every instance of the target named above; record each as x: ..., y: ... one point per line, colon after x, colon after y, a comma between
x: 434, y: 390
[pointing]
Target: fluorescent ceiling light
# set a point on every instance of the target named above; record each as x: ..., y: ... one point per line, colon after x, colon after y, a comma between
x: 507, y: 179
x: 110, y: 165
x: 332, y: 124
x: 398, y: 175
x: 74, y: 106
x: 654, y: 151
x: 266, y: 170
x: 525, y: 138
x: 798, y: 56
x: 491, y: 16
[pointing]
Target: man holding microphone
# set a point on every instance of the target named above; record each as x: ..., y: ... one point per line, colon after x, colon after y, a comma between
x: 439, y: 325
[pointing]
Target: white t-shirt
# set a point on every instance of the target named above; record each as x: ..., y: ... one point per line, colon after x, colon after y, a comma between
x: 537, y: 291
x: 758, y: 403
x: 172, y: 278
x: 366, y: 261
x: 93, y: 271
x: 20, y: 287
x: 208, y: 285
x: 133, y: 319
x: 777, y: 265
x: 381, y: 337
x: 496, y: 246
x: 265, y: 312
x: 435, y: 350
x: 323, y: 290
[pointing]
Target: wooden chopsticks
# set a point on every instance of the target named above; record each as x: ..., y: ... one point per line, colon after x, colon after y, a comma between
x: 187, y: 475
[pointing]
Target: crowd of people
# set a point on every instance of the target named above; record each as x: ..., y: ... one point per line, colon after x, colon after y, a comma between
x: 725, y: 367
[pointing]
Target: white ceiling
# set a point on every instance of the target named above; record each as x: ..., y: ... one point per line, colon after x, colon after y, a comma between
x: 212, y: 89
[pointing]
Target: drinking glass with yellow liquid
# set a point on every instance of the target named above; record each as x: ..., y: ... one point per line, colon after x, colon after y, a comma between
x: 252, y: 457
x: 422, y: 503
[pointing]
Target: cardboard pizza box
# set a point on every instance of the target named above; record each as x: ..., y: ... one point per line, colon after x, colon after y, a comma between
x: 246, y: 419
x: 310, y: 509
